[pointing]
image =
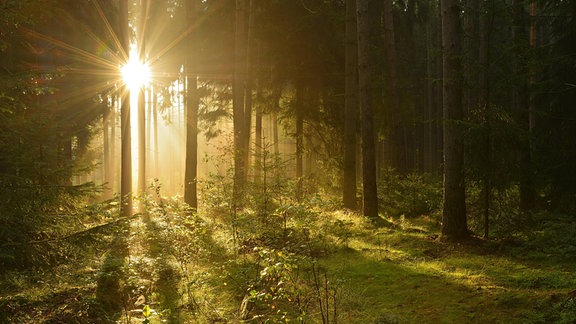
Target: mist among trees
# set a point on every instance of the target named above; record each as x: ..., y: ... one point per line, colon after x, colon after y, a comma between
x: 203, y: 161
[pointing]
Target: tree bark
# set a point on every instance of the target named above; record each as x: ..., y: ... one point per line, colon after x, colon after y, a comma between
x: 521, y: 104
x: 299, y: 138
x: 126, y: 138
x: 142, y: 111
x: 399, y: 152
x: 351, y: 110
x: 192, y: 102
x: 454, y: 221
x: 107, y: 194
x: 258, y: 137
x: 113, y: 124
x: 238, y: 104
x: 485, y: 29
x: 249, y: 84
x: 432, y: 162
x: 155, y: 126
x: 365, y: 66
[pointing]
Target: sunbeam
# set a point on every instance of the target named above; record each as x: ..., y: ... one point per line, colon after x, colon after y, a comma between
x: 135, y: 73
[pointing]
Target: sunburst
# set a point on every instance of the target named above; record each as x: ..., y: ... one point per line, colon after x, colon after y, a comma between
x: 115, y: 76
x: 135, y: 73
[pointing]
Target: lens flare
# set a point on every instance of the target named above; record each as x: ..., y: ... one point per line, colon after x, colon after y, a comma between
x: 135, y: 73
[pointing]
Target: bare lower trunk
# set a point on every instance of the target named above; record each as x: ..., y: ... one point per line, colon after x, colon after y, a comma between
x: 192, y: 102
x: 454, y: 221
x: 126, y: 138
x: 351, y: 110
x: 365, y: 66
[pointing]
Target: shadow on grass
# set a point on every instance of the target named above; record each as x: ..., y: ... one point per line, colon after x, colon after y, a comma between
x: 175, y: 249
x: 397, y: 276
x: 167, y: 274
x: 110, y: 293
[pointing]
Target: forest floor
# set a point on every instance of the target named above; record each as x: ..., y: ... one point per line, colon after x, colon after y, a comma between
x: 399, y: 273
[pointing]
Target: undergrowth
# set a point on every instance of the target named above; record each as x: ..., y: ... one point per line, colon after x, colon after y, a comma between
x: 277, y: 259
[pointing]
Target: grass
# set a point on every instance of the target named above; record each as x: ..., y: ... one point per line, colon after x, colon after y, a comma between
x: 359, y: 273
x: 404, y: 275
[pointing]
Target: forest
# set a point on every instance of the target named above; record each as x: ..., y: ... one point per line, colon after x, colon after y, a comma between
x: 273, y: 161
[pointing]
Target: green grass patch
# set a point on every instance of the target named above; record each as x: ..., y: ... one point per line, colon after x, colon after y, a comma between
x: 407, y: 276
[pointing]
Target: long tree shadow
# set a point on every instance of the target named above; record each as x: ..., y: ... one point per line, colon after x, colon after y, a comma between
x: 110, y: 291
x: 410, y: 275
x: 168, y: 276
x: 383, y: 290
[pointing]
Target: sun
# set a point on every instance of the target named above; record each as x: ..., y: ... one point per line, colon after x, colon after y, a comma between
x: 135, y: 73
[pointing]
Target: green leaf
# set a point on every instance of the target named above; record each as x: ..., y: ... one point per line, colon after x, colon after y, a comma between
x: 146, y: 311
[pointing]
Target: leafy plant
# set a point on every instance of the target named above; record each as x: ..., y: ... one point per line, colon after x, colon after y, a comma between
x: 146, y: 313
x: 277, y: 285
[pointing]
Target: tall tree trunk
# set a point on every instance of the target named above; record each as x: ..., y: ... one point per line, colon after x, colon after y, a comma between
x: 351, y: 110
x: 155, y: 125
x: 399, y: 152
x: 521, y: 104
x: 238, y: 104
x: 454, y: 221
x: 439, y: 123
x: 249, y: 84
x: 275, y: 134
x: 142, y: 111
x: 107, y: 139
x: 470, y: 66
x: 530, y: 201
x: 126, y: 138
x: 277, y: 94
x: 431, y: 92
x: 365, y: 66
x: 149, y: 157
x: 113, y: 123
x: 258, y: 140
x: 485, y: 29
x: 299, y: 138
x: 258, y: 144
x: 192, y: 102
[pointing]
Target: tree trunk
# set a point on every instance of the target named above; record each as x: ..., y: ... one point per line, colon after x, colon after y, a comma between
x: 432, y: 92
x: 192, y: 102
x: 155, y: 125
x: 126, y: 138
x: 299, y: 138
x: 351, y: 110
x: 521, y: 104
x: 454, y: 221
x: 277, y: 94
x: 398, y: 148
x: 248, y: 96
x: 107, y: 194
x: 471, y: 66
x: 440, y: 97
x: 238, y: 104
x: 485, y: 29
x: 142, y: 112
x: 113, y: 164
x: 258, y: 145
x: 258, y: 127
x: 275, y: 134
x: 365, y: 66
